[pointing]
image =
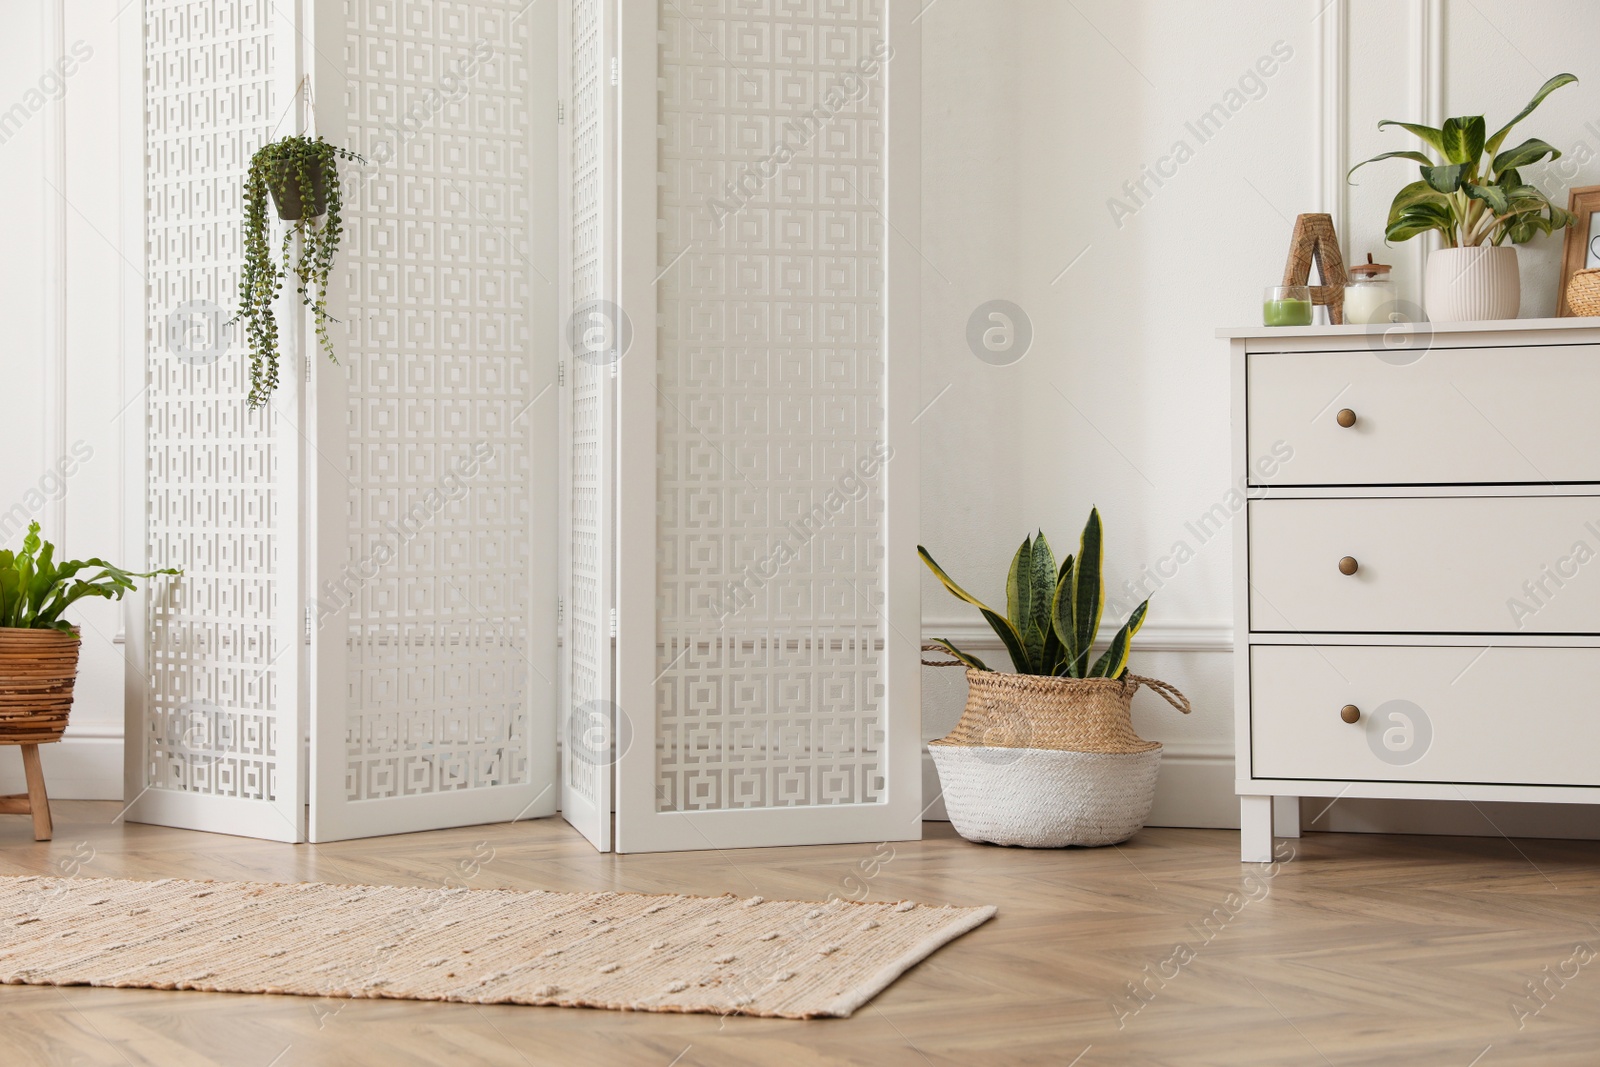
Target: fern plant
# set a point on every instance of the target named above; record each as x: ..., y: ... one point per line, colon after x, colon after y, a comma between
x: 301, y: 174
x: 1052, y: 613
x: 35, y: 590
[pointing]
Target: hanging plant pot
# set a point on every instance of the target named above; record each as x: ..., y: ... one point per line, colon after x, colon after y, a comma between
x: 284, y: 185
x: 284, y: 171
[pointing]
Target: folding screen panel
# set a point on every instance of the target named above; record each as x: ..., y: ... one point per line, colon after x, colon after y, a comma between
x: 768, y: 591
x: 434, y: 664
x: 213, y: 738
x: 588, y: 461
x: 428, y: 453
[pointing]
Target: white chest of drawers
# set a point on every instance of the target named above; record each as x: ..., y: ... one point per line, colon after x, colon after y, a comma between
x: 1417, y: 565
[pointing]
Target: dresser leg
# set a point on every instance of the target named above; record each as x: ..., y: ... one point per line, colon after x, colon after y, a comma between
x: 1255, y: 829
x: 1286, y: 816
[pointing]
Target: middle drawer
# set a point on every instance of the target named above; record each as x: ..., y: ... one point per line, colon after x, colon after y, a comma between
x: 1426, y: 565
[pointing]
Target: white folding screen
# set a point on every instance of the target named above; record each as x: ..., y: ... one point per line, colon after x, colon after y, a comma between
x: 724, y: 518
x: 418, y: 474
x: 213, y: 738
x: 435, y: 435
x: 768, y: 619
x: 588, y: 405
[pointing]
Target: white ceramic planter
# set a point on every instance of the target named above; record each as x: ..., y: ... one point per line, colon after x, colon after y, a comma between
x: 1472, y: 284
x: 1043, y: 798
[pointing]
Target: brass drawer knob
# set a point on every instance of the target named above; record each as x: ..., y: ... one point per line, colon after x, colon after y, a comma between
x: 1348, y: 565
x: 1350, y: 713
x: 1346, y: 418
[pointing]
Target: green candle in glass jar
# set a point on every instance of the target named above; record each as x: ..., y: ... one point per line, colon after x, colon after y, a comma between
x: 1286, y: 305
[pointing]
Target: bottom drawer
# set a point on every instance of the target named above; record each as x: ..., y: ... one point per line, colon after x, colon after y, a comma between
x: 1505, y: 716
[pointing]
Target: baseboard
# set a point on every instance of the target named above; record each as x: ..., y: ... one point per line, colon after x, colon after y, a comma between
x: 86, y: 764
x: 1451, y: 818
x: 1196, y: 790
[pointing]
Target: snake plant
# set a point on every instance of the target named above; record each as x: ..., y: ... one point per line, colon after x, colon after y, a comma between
x: 35, y: 590
x: 1475, y: 192
x: 1052, y: 613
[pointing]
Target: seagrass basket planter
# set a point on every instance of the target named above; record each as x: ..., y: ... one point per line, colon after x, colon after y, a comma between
x: 1047, y: 762
x: 38, y: 669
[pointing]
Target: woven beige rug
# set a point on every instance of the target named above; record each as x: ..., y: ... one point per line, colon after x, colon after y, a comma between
x: 724, y: 955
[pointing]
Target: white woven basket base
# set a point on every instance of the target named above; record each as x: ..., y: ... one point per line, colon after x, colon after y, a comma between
x: 1042, y: 798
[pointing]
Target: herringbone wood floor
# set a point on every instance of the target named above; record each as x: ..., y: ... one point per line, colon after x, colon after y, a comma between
x: 1355, y: 949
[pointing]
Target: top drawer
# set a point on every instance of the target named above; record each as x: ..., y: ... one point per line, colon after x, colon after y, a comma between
x: 1455, y: 416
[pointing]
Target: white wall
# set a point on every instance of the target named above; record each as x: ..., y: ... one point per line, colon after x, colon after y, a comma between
x: 1035, y: 114
x: 64, y: 461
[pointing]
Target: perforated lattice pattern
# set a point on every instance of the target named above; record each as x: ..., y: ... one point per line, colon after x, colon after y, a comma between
x: 439, y: 448
x: 770, y: 554
x: 585, y: 628
x: 217, y: 719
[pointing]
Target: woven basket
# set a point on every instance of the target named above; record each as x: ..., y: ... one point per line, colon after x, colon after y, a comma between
x: 1583, y: 292
x: 1049, y: 762
x: 37, y: 671
x: 1042, y: 798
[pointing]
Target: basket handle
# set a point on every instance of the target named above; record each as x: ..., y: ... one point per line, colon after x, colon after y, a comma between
x: 1168, y: 692
x: 939, y: 663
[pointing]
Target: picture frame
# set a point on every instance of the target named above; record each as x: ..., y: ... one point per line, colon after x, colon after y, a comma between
x: 1582, y: 249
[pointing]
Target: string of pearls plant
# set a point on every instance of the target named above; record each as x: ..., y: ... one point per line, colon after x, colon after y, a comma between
x: 301, y: 174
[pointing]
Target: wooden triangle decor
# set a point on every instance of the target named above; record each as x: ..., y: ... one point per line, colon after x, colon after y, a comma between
x: 1314, y: 239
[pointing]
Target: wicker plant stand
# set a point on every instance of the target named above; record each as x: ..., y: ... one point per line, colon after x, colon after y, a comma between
x: 1049, y: 762
x: 37, y: 671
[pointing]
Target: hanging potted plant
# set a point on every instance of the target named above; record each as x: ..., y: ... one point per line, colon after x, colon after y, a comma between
x: 301, y: 176
x: 1047, y: 756
x: 1475, y: 197
x: 39, y: 652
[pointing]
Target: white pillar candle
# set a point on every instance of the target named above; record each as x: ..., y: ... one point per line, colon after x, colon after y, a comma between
x: 1368, y: 303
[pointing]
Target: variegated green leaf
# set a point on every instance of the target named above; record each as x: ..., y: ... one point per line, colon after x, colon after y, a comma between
x: 1447, y: 178
x: 1019, y: 599
x: 1528, y: 152
x: 1114, y: 660
x: 1430, y: 136
x: 1088, y: 594
x: 1463, y: 140
x: 1044, y: 590
x: 1057, y: 654
x: 969, y: 660
x: 1405, y: 154
x: 1492, y: 195
x: 1492, y: 146
x: 1416, y: 194
x: 999, y: 623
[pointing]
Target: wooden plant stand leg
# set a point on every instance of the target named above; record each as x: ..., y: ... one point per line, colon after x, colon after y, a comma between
x: 38, y: 802
x: 34, y: 802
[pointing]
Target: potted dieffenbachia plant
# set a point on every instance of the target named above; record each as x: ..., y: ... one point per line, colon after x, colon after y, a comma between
x: 1474, y: 194
x: 1047, y: 756
x: 301, y: 177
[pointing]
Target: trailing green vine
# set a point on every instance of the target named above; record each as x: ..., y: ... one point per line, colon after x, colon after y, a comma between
x: 301, y: 175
